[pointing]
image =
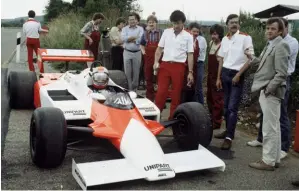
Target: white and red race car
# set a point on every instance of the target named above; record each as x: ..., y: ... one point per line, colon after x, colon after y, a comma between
x: 65, y: 103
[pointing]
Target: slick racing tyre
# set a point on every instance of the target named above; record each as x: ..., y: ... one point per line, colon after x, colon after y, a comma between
x: 119, y: 77
x: 21, y: 89
x: 193, y: 127
x: 48, y: 137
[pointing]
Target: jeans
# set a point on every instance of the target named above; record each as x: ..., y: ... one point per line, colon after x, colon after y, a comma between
x: 198, y: 96
x: 285, y: 125
x: 232, y: 99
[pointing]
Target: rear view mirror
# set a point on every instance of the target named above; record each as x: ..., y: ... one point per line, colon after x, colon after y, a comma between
x: 98, y: 96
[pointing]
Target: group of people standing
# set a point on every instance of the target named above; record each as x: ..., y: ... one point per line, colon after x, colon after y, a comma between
x: 176, y: 57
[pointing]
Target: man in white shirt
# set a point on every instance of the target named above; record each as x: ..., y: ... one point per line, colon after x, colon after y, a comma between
x: 285, y: 126
x: 177, y: 46
x: 31, y: 30
x: 202, y: 43
x: 232, y: 64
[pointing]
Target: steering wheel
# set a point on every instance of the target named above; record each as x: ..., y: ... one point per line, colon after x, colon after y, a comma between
x: 94, y: 63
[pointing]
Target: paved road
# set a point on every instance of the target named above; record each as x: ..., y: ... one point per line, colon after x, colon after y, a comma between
x: 18, y: 172
x: 8, y: 42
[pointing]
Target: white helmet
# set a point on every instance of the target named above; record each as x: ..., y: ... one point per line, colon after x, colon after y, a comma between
x: 100, y: 78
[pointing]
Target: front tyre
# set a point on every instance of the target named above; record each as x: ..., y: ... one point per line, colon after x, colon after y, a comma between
x: 194, y: 126
x: 48, y: 137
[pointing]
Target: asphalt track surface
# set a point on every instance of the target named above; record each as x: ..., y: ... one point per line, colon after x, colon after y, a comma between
x: 18, y: 172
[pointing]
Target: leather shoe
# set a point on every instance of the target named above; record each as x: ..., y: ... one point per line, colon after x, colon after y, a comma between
x: 296, y: 183
x: 260, y: 165
x: 221, y: 135
x: 226, y: 145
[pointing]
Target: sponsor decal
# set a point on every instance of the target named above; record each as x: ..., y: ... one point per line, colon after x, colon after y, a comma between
x: 75, y: 112
x: 80, y: 177
x: 160, y: 167
x: 123, y: 100
x: 147, y: 109
x: 160, y: 175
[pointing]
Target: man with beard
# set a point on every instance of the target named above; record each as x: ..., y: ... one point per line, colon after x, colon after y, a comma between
x: 149, y: 44
x: 177, y: 47
x: 214, y: 97
x: 232, y: 64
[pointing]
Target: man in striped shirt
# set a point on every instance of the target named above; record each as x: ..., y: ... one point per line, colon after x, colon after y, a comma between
x: 149, y: 44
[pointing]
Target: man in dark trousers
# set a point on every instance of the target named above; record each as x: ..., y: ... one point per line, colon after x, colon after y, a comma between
x: 177, y: 46
x: 232, y: 61
x: 117, y: 48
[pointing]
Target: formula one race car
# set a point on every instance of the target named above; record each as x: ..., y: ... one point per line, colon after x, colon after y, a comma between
x: 90, y: 103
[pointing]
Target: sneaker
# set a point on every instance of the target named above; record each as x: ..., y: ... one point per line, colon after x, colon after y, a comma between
x: 283, y: 154
x: 254, y: 143
x: 226, y: 145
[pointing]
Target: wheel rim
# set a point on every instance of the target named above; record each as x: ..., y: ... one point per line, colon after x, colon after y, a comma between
x: 33, y: 136
x: 181, y: 127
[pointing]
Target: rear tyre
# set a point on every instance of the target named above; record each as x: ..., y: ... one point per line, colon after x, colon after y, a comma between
x: 119, y: 77
x: 21, y: 89
x: 194, y: 127
x: 48, y: 137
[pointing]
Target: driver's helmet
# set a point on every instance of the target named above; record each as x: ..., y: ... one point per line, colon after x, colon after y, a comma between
x: 100, y: 78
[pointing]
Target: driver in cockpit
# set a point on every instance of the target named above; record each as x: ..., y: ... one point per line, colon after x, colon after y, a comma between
x: 98, y: 80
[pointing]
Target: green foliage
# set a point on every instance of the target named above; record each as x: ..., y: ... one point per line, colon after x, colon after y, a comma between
x: 55, y: 8
x: 64, y: 33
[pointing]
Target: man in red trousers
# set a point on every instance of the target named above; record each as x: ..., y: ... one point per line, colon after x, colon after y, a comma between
x: 149, y: 44
x: 31, y: 30
x: 177, y: 46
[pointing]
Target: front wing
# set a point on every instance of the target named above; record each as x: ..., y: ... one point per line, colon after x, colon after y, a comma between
x: 119, y: 170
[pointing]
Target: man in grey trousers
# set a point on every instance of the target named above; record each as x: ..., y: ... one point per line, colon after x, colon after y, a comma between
x: 270, y: 80
x: 131, y: 36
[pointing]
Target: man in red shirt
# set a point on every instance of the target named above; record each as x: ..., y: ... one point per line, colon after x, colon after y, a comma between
x: 31, y: 30
x: 177, y: 46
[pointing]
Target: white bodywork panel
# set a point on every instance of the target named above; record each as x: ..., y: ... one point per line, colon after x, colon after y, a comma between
x: 76, y: 84
x: 143, y: 155
x: 143, y: 161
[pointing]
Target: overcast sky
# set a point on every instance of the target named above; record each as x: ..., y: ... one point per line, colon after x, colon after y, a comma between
x: 194, y: 9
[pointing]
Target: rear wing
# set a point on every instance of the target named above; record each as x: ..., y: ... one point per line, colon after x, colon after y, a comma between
x: 59, y: 55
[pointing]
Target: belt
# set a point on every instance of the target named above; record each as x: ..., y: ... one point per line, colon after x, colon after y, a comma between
x: 134, y: 51
x: 230, y: 70
x: 171, y: 62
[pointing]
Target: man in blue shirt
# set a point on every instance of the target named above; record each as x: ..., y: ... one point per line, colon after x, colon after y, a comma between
x: 131, y: 36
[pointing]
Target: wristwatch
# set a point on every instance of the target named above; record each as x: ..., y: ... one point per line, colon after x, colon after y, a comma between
x: 191, y: 71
